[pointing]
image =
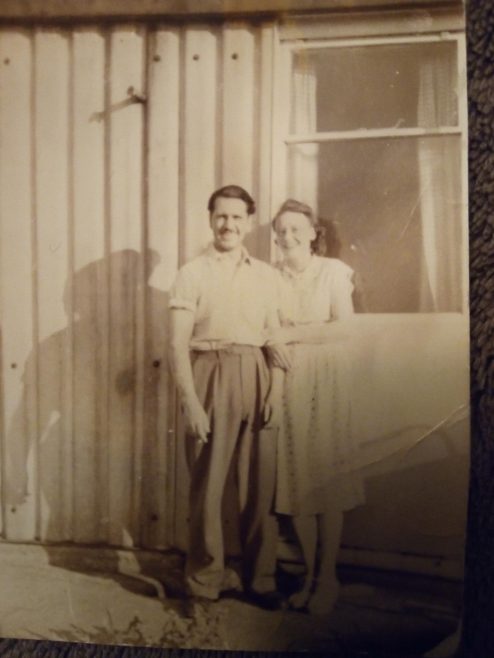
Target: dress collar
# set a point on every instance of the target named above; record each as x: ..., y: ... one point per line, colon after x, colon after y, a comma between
x: 308, y: 272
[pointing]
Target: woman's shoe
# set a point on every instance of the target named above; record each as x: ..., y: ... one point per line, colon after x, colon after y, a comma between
x: 324, y: 599
x: 299, y: 600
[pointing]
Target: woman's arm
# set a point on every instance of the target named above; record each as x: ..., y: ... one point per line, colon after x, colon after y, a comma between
x: 324, y: 332
x: 337, y: 291
x: 339, y: 328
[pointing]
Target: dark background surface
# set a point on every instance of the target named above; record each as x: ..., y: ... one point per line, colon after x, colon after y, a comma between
x: 478, y: 627
x: 478, y: 635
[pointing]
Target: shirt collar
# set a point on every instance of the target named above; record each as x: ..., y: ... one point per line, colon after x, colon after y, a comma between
x: 225, y: 256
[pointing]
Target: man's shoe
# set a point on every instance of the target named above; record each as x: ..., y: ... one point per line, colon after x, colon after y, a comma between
x: 197, y: 604
x: 267, y: 600
x: 231, y: 582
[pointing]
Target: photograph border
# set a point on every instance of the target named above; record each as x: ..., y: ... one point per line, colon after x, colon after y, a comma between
x: 477, y: 637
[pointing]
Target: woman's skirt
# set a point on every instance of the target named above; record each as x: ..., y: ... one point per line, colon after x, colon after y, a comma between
x: 316, y: 450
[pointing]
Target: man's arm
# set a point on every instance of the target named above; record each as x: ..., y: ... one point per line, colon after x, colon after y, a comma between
x: 181, y: 326
x: 273, y: 403
x: 277, y: 353
x: 279, y: 361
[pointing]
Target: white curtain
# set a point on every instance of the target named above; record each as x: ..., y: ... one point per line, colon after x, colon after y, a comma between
x: 439, y: 173
x: 303, y: 158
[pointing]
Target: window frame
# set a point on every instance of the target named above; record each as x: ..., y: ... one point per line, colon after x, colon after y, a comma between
x: 282, y: 138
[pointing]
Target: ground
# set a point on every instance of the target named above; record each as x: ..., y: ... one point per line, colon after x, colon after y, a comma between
x: 106, y: 596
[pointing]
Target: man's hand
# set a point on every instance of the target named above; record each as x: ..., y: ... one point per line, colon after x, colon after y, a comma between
x: 279, y: 335
x: 279, y: 356
x: 272, y: 411
x: 197, y: 420
x: 273, y: 402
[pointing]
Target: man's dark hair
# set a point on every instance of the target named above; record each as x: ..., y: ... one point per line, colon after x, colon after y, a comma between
x: 233, y: 192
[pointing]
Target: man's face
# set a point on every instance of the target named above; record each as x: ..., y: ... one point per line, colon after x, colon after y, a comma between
x: 230, y: 223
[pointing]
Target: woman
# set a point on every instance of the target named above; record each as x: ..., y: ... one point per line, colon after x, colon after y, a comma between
x: 315, y: 483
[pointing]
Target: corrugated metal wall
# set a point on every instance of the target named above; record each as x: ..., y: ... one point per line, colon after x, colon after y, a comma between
x: 110, y: 143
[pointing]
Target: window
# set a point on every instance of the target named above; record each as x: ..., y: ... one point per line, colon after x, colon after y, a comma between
x: 373, y: 141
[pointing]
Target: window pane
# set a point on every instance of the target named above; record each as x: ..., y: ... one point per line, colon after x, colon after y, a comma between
x: 392, y: 208
x: 401, y: 86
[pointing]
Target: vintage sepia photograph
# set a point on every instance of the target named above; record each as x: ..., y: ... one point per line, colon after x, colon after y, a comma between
x: 234, y: 330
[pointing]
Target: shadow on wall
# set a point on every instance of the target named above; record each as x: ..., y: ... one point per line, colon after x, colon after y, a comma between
x: 90, y: 467
x: 88, y: 459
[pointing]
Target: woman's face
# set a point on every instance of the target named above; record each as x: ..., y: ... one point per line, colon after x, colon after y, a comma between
x: 294, y: 232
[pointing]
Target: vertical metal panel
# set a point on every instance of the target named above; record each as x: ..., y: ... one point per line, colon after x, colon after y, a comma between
x: 163, y: 152
x: 238, y: 117
x: 238, y: 105
x: 200, y: 136
x: 17, y: 290
x: 89, y: 307
x: 126, y: 275
x: 264, y: 138
x: 163, y: 242
x: 280, y: 118
x: 52, y: 215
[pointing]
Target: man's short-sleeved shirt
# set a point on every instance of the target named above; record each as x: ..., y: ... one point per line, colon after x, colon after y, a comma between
x: 233, y: 301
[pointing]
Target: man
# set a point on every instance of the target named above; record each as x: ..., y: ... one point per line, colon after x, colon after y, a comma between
x: 222, y: 304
